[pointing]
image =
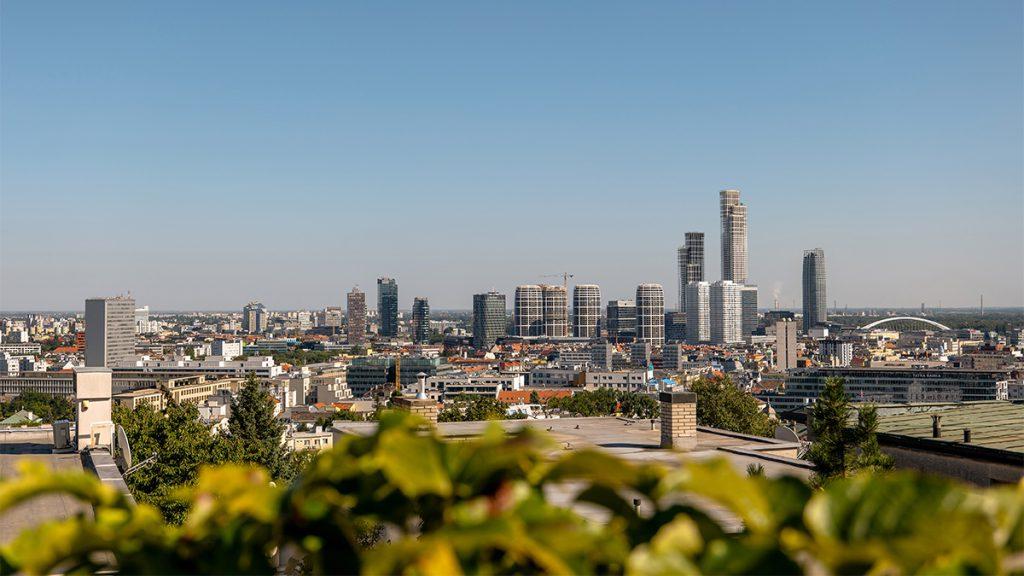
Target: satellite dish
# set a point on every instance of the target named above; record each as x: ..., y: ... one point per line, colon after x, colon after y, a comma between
x: 123, y: 449
x: 785, y: 433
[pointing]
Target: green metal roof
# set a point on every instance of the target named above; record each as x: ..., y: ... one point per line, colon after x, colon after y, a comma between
x: 994, y: 424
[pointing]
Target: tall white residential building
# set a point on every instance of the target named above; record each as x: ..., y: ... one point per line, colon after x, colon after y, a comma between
x: 556, y: 311
x: 785, y: 345
x: 748, y: 305
x: 734, y: 236
x: 109, y: 331
x: 528, y: 310
x: 691, y: 264
x: 726, y: 312
x: 650, y: 314
x: 698, y: 312
x: 586, y: 310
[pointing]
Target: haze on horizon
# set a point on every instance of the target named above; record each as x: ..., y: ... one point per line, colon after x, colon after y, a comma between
x: 201, y: 155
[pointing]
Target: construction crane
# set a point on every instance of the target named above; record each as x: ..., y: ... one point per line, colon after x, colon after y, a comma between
x: 565, y: 278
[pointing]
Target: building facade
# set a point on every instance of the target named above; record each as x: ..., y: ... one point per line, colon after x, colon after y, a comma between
x: 726, y: 312
x: 255, y: 318
x: 387, y: 307
x: 622, y: 320
x: 109, y: 331
x: 528, y: 311
x: 356, y: 330
x: 748, y: 305
x: 698, y: 312
x: 650, y: 314
x: 556, y: 311
x: 815, y: 298
x: 734, y: 236
x: 785, y: 345
x: 420, y: 321
x: 586, y: 310
x: 691, y: 264
x: 488, y: 319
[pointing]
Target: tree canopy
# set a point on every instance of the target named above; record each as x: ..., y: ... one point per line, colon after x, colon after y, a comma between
x: 840, y: 448
x: 720, y: 404
x: 47, y: 407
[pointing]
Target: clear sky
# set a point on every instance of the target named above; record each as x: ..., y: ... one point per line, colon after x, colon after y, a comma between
x: 202, y: 154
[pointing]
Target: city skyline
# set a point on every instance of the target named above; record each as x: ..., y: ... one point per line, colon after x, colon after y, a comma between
x: 125, y: 169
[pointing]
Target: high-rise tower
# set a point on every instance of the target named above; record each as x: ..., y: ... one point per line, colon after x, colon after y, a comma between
x: 109, y: 331
x: 529, y: 311
x: 698, y: 313
x: 255, y: 319
x: 387, y: 307
x: 650, y: 314
x: 621, y: 320
x: 734, y: 236
x: 356, y: 330
x: 726, y: 312
x: 586, y: 310
x: 420, y: 321
x: 691, y: 264
x: 815, y: 298
x: 488, y: 319
x: 556, y: 311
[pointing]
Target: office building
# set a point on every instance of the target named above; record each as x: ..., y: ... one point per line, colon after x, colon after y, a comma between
x: 691, y: 264
x: 836, y: 352
x: 255, y: 318
x: 650, y: 314
x: 889, y: 385
x: 748, y: 310
x: 734, y: 236
x: 420, y: 321
x: 529, y: 311
x: 109, y: 331
x: 621, y: 320
x: 356, y: 330
x: 785, y: 345
x: 726, y: 312
x: 675, y: 326
x: 640, y: 354
x: 387, y: 307
x: 586, y: 310
x: 332, y: 317
x: 698, y: 312
x: 815, y: 298
x: 556, y: 311
x: 226, y: 349
x: 488, y: 319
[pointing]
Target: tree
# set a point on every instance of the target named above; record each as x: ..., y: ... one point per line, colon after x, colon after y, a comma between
x: 471, y: 408
x: 47, y: 407
x: 839, y: 449
x: 534, y: 397
x: 720, y: 404
x: 255, y: 434
x: 182, y: 445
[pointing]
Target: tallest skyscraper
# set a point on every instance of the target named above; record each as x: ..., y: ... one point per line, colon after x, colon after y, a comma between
x: 734, y: 237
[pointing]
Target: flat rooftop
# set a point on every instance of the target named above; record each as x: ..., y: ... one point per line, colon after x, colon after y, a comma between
x: 16, y: 445
x: 632, y: 440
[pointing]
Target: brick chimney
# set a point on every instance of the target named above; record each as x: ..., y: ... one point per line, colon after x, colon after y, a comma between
x: 678, y: 417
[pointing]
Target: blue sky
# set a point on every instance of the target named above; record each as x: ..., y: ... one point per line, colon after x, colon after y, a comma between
x: 202, y: 154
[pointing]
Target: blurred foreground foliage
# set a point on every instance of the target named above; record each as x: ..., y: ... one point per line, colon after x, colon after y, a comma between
x: 404, y: 501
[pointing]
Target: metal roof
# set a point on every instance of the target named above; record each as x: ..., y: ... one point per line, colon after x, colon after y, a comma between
x: 997, y: 425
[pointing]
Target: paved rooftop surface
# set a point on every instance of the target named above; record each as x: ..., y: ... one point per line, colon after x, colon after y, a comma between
x: 994, y: 424
x: 35, y: 445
